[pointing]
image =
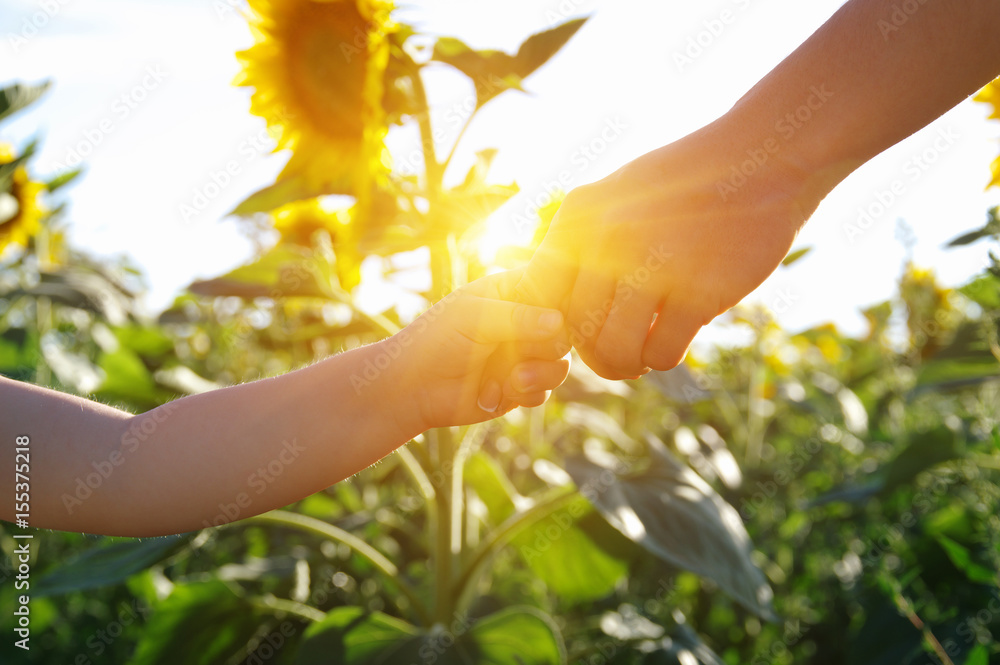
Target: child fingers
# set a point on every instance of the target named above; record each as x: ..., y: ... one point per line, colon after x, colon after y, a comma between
x: 549, y: 349
x: 530, y: 400
x: 533, y: 376
x: 497, y: 321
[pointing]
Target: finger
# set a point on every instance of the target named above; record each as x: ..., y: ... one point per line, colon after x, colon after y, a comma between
x: 490, y: 394
x: 550, y: 349
x: 534, y: 376
x: 620, y: 343
x: 550, y: 275
x: 672, y: 333
x: 493, y: 321
x: 600, y: 368
x: 593, y: 296
x: 498, y: 286
x: 495, y: 375
x: 531, y: 400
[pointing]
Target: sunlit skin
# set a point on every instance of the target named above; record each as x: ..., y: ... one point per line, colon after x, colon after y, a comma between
x: 715, y: 212
x: 274, y: 441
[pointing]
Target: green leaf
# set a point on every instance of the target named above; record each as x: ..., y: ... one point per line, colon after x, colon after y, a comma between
x: 197, y: 623
x: 520, y: 635
x: 7, y: 169
x: 144, y: 340
x: 494, y: 72
x: 923, y: 451
x: 795, y: 256
x: 352, y: 636
x: 673, y: 513
x: 286, y: 270
x: 962, y: 558
x: 539, y: 48
x: 984, y: 291
x: 980, y: 655
x: 491, y: 71
x: 286, y: 190
x: 63, y: 179
x: 992, y: 228
x: 18, y: 96
x: 461, y: 209
x: 489, y: 481
x: 560, y: 554
x: 127, y: 377
x: 111, y: 564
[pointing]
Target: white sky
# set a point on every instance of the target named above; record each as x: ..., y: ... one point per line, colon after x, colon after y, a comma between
x: 620, y: 66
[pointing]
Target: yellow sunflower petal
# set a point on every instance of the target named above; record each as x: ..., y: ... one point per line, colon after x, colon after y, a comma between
x: 991, y: 95
x: 317, y: 69
x: 26, y: 222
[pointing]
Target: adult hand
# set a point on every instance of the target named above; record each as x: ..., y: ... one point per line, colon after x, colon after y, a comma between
x: 641, y: 260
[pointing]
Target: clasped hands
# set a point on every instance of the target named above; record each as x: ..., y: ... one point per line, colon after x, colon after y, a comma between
x: 629, y: 271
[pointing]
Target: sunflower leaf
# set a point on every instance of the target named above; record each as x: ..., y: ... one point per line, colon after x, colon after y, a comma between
x: 16, y: 97
x: 494, y: 72
x: 540, y: 47
x: 284, y: 191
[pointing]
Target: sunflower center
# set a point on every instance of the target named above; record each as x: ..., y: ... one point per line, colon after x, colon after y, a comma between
x: 327, y: 49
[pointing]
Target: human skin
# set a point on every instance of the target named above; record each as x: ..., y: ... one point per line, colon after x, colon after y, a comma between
x: 644, y: 258
x: 264, y: 444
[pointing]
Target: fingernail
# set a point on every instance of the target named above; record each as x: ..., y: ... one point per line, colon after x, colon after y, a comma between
x: 489, y: 396
x: 526, y: 379
x: 549, y: 322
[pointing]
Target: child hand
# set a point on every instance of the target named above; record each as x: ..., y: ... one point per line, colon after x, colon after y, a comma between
x: 436, y: 365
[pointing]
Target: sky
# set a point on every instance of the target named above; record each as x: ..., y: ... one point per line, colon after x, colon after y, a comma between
x: 142, y: 95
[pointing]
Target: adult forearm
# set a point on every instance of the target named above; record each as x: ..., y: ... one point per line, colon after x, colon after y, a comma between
x: 876, y: 72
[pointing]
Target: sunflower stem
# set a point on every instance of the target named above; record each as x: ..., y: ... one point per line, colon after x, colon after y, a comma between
x: 458, y: 139
x: 434, y: 170
x: 326, y: 530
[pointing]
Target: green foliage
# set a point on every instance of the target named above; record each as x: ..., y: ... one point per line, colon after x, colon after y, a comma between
x: 113, y: 564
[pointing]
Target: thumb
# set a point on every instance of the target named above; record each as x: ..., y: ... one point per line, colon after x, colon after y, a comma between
x: 548, y: 279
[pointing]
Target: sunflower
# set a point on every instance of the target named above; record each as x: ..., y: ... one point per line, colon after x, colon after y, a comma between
x: 20, y: 214
x: 991, y: 95
x: 317, y: 68
x: 297, y: 222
